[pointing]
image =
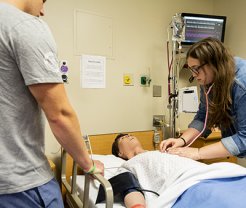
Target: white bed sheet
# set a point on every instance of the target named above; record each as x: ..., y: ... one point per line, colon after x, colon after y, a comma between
x: 170, y: 175
x: 170, y: 178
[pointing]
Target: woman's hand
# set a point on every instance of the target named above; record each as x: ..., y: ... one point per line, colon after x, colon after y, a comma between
x: 167, y: 144
x: 190, y: 152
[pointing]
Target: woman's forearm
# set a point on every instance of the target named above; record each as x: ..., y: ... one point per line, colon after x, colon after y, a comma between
x: 216, y: 150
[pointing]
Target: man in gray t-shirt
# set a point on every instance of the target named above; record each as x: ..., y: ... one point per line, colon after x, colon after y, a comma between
x: 30, y: 84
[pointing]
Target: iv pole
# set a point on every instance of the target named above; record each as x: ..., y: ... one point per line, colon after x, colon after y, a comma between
x: 177, y: 27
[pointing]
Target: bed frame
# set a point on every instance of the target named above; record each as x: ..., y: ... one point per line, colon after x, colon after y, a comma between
x: 101, y: 144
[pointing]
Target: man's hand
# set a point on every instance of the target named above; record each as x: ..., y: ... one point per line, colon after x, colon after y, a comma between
x: 99, y: 167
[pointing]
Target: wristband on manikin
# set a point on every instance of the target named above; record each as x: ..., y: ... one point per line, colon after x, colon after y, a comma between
x: 92, y: 169
x: 183, y: 141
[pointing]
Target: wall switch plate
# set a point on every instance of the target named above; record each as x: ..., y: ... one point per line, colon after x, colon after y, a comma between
x: 156, y: 90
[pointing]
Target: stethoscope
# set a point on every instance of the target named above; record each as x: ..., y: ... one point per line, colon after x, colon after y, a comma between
x: 206, y: 118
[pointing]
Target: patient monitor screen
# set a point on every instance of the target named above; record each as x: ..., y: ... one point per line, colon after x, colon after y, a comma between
x: 199, y: 26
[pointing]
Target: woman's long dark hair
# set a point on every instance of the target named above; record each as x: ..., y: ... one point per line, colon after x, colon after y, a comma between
x: 212, y: 52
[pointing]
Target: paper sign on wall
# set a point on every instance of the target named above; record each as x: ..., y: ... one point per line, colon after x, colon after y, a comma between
x: 92, y: 71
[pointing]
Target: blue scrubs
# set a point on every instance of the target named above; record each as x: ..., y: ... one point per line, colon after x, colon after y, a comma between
x: 47, y: 195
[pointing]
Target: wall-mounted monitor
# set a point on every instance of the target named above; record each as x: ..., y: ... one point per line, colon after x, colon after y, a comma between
x: 200, y: 26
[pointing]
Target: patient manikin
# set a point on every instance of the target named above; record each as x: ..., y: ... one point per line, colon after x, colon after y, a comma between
x: 169, y: 177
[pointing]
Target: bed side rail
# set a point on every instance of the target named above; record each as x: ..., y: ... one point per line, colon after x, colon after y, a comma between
x: 72, y: 189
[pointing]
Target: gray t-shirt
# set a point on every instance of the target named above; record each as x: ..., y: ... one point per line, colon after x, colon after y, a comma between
x: 27, y: 56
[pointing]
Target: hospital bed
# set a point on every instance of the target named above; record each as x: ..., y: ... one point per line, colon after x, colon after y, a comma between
x: 81, y: 191
x: 78, y: 188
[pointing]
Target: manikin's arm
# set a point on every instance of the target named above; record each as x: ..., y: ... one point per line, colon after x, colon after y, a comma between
x: 63, y: 122
x: 135, y: 200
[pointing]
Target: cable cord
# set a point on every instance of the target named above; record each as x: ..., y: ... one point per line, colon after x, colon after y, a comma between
x: 206, y: 118
x: 146, y: 190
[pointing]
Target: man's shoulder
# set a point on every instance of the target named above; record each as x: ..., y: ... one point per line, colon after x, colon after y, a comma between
x: 10, y: 13
x: 12, y: 18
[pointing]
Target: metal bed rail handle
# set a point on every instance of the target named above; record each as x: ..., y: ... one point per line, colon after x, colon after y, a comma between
x: 72, y: 190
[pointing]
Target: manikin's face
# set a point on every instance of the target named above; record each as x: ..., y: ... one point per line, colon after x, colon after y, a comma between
x: 127, y: 146
x: 201, y: 71
x: 35, y: 7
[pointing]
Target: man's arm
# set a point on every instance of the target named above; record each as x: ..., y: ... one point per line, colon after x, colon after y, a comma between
x: 63, y: 121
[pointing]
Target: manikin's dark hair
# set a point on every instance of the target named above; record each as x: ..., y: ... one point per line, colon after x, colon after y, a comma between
x: 115, y: 145
x: 212, y: 52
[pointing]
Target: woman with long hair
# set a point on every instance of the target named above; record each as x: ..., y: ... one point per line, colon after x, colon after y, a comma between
x: 222, y: 79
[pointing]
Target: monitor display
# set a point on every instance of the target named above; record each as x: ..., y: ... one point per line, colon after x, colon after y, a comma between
x: 200, y: 26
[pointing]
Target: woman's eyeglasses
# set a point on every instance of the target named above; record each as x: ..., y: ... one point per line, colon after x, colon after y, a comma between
x: 196, y: 69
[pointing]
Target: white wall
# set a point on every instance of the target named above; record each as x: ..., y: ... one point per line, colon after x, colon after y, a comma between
x: 235, y: 29
x: 139, y: 28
